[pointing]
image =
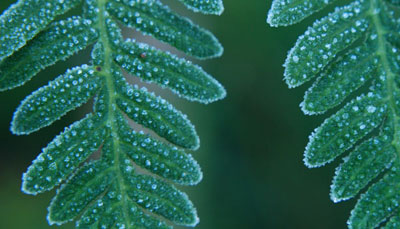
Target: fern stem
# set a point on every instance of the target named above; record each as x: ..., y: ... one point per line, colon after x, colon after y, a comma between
x: 110, y: 89
x: 390, y: 81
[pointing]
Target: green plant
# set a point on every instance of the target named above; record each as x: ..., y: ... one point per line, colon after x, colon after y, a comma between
x: 353, y: 50
x: 131, y: 185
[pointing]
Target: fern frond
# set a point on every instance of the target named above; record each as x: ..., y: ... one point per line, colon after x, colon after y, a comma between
x: 131, y: 185
x: 51, y: 102
x: 353, y: 47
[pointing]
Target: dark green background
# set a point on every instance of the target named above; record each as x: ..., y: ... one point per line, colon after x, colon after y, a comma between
x: 252, y: 141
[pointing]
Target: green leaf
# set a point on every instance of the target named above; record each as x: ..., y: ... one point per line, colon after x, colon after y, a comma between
x: 373, y: 208
x: 26, y: 18
x: 157, y: 114
x: 365, y: 163
x: 87, y: 185
x: 353, y: 50
x: 157, y: 157
x: 205, y: 6
x: 288, y: 12
x: 161, y: 198
x: 61, y: 40
x: 155, y: 19
x: 323, y: 41
x: 342, y: 130
x: 51, y: 102
x: 167, y: 70
x: 340, y: 79
x: 63, y: 155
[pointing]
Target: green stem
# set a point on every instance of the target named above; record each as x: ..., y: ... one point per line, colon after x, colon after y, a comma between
x: 110, y: 89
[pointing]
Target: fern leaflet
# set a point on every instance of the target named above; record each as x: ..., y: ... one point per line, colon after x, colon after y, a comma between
x: 354, y: 46
x: 132, y: 184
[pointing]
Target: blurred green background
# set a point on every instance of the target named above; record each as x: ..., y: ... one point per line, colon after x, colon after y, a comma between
x: 252, y: 141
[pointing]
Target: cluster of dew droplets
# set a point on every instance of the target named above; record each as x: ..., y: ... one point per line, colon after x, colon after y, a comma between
x: 285, y: 12
x: 16, y: 29
x: 323, y: 41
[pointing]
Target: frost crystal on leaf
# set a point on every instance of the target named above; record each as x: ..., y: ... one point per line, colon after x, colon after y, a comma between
x: 132, y: 184
x: 353, y: 49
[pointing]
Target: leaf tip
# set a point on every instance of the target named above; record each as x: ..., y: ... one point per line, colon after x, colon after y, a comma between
x: 219, y: 95
x: 192, y: 217
x: 271, y: 20
x: 307, y: 108
x: 196, y: 220
x: 218, y: 9
x: 197, y: 175
x: 16, y: 126
x: 335, y: 195
x: 51, y: 217
x: 207, y: 7
x: 309, y: 163
x: 25, y: 187
x: 275, y: 16
x: 310, y: 158
x: 290, y: 77
x: 195, y: 145
x: 289, y: 80
x: 52, y: 221
x: 216, y: 51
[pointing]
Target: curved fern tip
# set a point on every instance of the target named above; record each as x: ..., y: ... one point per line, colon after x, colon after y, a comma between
x: 220, y: 8
x: 16, y: 128
x: 309, y: 157
x: 308, y: 108
x: 305, y: 108
x: 277, y: 18
x: 49, y: 217
x: 196, y: 221
x: 271, y: 20
x: 333, y: 197
x: 220, y: 95
x: 199, y: 179
x: 53, y: 222
x: 334, y: 194
x: 220, y: 11
x: 336, y: 198
x: 288, y: 77
x: 197, y: 176
x: 195, y: 144
x: 217, y: 51
x: 25, y: 188
x: 311, y: 164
